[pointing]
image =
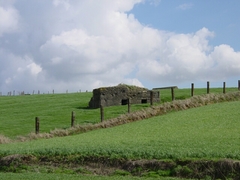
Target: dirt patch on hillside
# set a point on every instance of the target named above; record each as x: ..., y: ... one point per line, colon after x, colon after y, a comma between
x: 221, y: 169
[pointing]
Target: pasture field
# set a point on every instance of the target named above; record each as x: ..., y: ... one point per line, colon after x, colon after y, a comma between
x: 210, y: 132
x: 54, y: 110
x: 205, y: 134
x: 180, y: 141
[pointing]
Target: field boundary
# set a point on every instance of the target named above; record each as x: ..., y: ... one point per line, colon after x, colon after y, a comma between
x: 188, y: 168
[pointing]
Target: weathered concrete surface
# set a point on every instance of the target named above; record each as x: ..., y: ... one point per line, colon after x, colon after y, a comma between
x: 118, y: 95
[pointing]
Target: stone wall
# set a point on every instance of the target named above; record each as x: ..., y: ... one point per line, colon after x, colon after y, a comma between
x: 118, y: 95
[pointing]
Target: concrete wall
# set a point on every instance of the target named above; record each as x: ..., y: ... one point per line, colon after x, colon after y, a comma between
x: 118, y: 95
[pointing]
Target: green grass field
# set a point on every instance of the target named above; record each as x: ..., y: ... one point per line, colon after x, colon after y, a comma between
x: 204, y: 133
x: 54, y: 110
x: 210, y: 132
x: 47, y: 176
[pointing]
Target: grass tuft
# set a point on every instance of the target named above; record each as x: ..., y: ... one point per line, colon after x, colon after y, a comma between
x: 33, y: 136
x: 4, y: 139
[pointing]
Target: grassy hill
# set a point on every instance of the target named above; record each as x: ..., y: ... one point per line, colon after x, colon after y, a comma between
x: 201, y: 142
x: 205, y: 132
x: 54, y: 110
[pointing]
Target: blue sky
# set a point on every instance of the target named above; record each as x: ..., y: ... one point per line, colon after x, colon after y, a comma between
x: 81, y: 45
x: 186, y: 16
x: 183, y: 16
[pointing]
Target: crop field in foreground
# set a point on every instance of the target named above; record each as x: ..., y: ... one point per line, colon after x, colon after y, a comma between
x: 210, y: 132
x: 54, y: 110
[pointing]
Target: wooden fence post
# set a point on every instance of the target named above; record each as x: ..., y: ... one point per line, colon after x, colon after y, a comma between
x: 102, y: 113
x: 129, y: 105
x: 159, y: 96
x: 208, y: 87
x: 239, y: 85
x: 72, y: 119
x: 192, y: 89
x: 151, y: 98
x: 224, y: 87
x: 172, y: 92
x: 37, y: 126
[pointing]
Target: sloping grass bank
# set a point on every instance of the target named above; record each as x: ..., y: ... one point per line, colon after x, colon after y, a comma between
x: 119, y: 169
x: 200, y: 142
x: 54, y: 110
x: 148, y: 112
x: 210, y: 132
x: 62, y: 176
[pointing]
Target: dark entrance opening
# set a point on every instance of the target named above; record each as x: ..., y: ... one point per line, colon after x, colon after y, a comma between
x: 124, y: 101
x: 144, y: 101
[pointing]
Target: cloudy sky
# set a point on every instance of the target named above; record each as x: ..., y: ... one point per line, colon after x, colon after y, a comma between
x: 84, y: 44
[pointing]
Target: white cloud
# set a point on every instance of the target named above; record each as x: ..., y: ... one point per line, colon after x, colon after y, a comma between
x: 65, y: 3
x: 180, y: 58
x: 154, y: 2
x: 34, y: 68
x: 9, y: 20
x: 185, y: 6
x: 18, y: 72
x: 226, y: 62
x: 68, y: 44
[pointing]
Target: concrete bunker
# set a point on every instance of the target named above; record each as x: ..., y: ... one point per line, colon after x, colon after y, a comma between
x: 119, y: 95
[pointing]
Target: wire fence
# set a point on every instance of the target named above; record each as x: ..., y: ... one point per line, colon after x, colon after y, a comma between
x: 20, y: 93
